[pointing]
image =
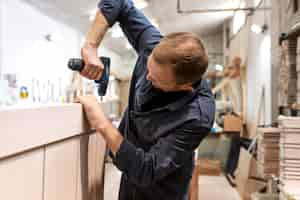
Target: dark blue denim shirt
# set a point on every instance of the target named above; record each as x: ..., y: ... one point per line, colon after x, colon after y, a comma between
x: 156, y: 156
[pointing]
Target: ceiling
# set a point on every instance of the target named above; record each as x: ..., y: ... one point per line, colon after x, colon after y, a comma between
x: 76, y: 13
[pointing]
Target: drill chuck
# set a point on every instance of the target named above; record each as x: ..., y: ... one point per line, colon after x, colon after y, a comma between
x: 76, y: 64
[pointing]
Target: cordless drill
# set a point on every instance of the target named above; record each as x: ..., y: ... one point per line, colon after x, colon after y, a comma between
x: 77, y: 64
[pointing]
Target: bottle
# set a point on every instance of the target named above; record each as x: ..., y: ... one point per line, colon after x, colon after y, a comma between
x: 23, y: 92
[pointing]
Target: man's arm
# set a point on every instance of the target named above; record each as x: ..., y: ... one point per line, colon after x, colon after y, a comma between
x: 100, y: 122
x: 221, y: 85
x: 145, y: 168
x: 140, y: 32
x: 137, y: 28
x: 97, y: 30
x: 167, y: 155
x: 93, y: 67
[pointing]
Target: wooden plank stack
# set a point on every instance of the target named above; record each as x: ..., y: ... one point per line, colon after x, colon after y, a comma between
x: 290, y: 155
x: 268, y: 152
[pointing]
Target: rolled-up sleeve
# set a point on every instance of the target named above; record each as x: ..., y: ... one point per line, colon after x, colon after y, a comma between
x: 137, y: 28
x: 167, y: 155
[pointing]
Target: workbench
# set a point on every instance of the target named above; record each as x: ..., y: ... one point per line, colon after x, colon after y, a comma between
x: 48, y: 152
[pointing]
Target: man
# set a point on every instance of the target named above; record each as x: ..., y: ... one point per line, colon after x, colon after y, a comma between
x: 170, y: 108
x: 232, y: 86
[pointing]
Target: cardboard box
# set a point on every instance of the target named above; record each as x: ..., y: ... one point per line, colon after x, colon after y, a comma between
x: 232, y: 123
x: 209, y: 167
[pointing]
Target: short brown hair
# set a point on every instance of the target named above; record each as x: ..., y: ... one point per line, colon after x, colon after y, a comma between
x: 185, y: 53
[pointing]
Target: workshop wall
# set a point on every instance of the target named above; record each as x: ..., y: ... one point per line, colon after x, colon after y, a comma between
x: 259, y: 72
x: 1, y: 34
x: 255, y: 51
x: 33, y: 44
x: 214, y: 46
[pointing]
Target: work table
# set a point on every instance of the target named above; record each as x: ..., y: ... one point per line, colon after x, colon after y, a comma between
x: 49, y: 152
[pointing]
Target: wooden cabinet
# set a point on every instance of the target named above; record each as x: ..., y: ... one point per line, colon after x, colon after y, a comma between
x: 90, y: 184
x: 99, y: 166
x: 21, y: 177
x: 48, y: 153
x: 61, y: 170
x: 24, y: 129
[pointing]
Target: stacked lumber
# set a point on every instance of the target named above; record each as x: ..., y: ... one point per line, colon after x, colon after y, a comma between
x: 268, y: 152
x: 290, y: 155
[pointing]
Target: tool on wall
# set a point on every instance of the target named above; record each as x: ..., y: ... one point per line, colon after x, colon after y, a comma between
x: 77, y: 64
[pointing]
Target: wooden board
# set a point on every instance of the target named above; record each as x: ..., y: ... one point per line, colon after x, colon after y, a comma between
x: 268, y: 151
x: 246, y: 167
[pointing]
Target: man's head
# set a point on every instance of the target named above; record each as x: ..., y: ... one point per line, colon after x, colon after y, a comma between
x: 237, y: 61
x: 178, y: 61
x: 235, y: 67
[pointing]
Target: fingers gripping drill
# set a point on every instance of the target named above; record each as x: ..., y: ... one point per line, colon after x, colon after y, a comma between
x: 77, y: 64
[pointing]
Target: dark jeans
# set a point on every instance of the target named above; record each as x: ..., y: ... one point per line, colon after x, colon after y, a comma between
x: 234, y: 153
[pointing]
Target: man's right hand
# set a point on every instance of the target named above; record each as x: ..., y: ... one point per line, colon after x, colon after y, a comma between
x: 93, y: 67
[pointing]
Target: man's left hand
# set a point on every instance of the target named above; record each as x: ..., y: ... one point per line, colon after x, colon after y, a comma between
x: 94, y: 112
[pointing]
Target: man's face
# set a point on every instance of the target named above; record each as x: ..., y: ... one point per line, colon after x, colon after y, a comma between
x: 161, y: 77
x: 237, y: 61
x: 233, y: 71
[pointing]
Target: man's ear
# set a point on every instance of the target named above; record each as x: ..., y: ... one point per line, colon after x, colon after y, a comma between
x: 186, y: 87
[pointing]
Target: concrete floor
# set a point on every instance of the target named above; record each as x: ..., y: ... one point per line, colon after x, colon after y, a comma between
x: 210, y: 187
x: 216, y: 187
